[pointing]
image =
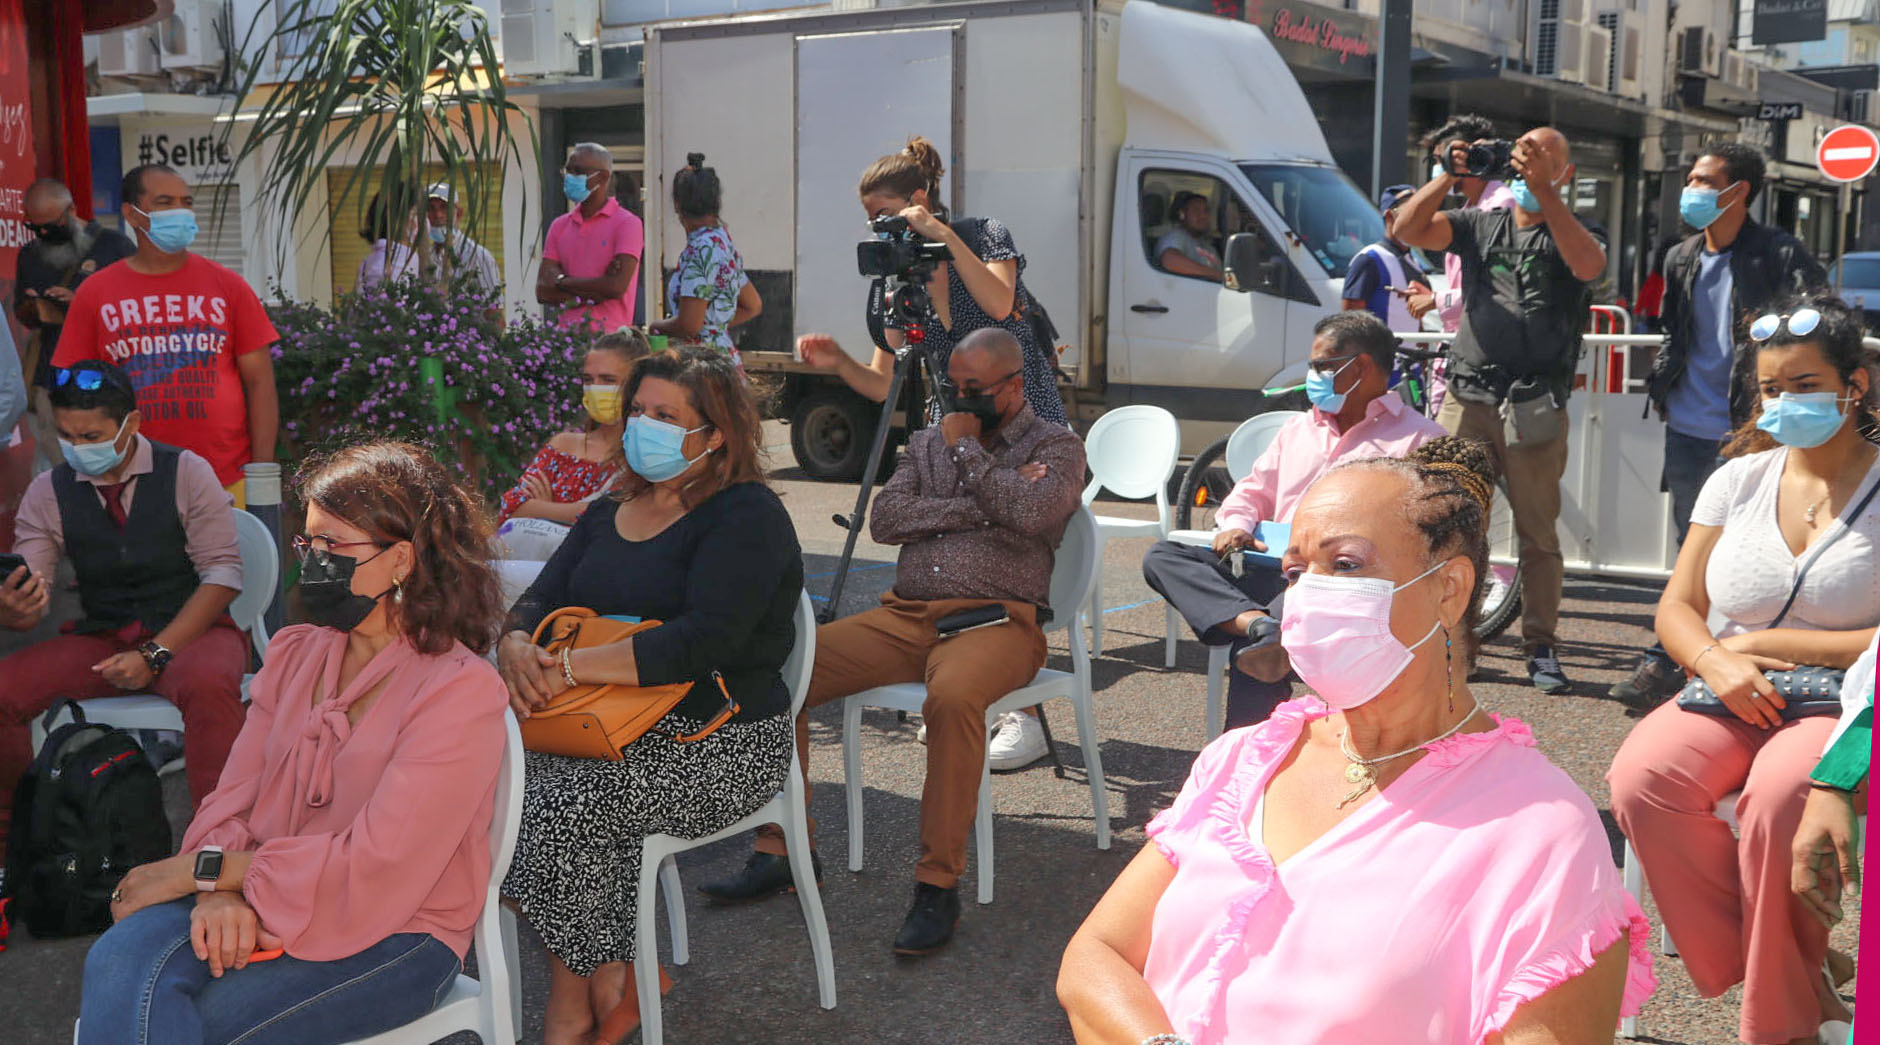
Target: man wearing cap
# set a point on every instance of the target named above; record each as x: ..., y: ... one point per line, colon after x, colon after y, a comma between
x: 1386, y: 278
x: 1184, y: 249
x: 459, y: 256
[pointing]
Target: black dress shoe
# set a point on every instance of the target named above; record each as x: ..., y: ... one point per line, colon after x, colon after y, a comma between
x: 1260, y: 654
x: 930, y: 922
x: 764, y: 875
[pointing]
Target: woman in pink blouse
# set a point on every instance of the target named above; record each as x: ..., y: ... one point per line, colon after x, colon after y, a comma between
x: 350, y: 829
x: 1386, y: 863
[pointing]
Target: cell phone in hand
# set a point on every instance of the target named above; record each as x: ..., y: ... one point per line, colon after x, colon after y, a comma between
x: 10, y: 562
x: 969, y: 620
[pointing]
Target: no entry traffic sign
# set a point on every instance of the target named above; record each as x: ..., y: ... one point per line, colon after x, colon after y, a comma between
x: 1848, y: 153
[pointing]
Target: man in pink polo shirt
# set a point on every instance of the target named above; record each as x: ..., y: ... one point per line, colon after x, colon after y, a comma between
x: 592, y: 262
x: 1354, y: 414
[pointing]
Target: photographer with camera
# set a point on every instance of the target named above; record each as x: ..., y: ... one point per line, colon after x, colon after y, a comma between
x: 942, y: 298
x: 1526, y: 279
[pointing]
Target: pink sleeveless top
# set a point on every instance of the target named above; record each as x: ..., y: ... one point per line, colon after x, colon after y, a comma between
x: 1479, y: 880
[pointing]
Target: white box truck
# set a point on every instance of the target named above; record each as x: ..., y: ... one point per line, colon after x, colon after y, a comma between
x: 1076, y: 123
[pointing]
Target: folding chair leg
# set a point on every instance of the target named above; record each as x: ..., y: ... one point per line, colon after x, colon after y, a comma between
x: 675, y: 909
x: 1096, y: 605
x: 852, y: 777
x: 982, y: 833
x: 802, y: 870
x: 646, y: 955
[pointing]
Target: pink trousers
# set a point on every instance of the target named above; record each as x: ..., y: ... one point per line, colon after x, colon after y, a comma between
x: 1725, y: 897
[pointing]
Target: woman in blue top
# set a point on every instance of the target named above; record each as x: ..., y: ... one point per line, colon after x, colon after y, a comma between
x: 708, y: 291
x: 979, y: 287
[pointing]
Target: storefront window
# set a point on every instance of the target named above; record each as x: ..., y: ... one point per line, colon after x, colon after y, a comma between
x: 1323, y: 208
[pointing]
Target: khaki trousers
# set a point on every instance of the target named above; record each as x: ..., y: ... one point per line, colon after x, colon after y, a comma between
x: 1532, y: 474
x: 964, y: 676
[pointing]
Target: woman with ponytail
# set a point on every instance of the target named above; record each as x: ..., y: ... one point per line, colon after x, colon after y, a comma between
x: 979, y: 287
x: 708, y: 292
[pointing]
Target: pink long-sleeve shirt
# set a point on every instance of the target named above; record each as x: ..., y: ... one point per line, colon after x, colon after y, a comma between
x: 361, y: 832
x: 1449, y: 303
x: 1308, y: 447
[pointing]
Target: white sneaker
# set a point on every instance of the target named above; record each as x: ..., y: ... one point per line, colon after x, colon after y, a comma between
x: 1017, y: 741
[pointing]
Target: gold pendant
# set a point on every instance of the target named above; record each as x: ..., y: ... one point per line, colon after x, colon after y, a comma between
x: 1361, y: 775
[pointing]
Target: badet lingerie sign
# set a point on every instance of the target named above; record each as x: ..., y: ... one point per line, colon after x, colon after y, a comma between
x: 17, y: 161
x: 1322, y: 38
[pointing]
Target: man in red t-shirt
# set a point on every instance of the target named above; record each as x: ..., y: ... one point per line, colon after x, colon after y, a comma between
x: 191, y: 333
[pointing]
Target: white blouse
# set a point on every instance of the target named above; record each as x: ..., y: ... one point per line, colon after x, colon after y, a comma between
x: 1751, y: 570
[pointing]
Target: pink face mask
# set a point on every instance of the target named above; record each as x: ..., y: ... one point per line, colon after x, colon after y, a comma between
x: 1337, y: 632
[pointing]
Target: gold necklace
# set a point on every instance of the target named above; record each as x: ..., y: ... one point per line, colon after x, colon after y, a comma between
x: 1361, y: 771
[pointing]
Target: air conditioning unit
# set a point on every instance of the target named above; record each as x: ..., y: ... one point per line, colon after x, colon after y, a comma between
x: 1558, y: 37
x: 1625, y: 72
x: 131, y: 52
x: 1599, y: 58
x: 192, y: 37
x: 551, y: 37
x: 1697, y: 51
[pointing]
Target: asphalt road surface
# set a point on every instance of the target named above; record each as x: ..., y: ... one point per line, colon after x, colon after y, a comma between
x: 750, y: 976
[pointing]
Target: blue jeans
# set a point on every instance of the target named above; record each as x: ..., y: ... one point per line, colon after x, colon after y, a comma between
x: 145, y: 986
x: 1689, y: 461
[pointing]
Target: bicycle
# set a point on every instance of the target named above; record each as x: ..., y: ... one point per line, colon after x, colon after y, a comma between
x: 1207, y: 483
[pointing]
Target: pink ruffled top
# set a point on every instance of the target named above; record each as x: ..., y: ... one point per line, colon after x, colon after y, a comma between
x: 1479, y: 880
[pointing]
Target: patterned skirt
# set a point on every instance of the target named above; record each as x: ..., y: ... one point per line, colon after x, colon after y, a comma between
x: 576, y: 872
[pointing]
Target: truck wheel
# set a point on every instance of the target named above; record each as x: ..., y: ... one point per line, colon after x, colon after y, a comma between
x: 830, y: 434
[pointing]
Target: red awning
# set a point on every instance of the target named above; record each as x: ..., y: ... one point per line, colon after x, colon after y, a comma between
x: 104, y: 15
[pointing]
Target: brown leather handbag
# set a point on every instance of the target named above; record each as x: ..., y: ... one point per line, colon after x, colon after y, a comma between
x: 600, y: 720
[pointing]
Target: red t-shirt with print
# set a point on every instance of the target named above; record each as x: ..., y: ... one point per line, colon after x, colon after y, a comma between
x: 178, y: 336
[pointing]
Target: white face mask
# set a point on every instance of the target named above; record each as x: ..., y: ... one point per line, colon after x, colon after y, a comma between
x: 1336, y: 630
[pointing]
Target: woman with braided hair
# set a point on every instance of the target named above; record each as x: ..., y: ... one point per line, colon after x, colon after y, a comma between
x: 708, y: 292
x: 1381, y: 861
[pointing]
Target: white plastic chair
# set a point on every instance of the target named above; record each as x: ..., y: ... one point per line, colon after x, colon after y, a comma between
x: 1131, y: 451
x: 487, y: 1006
x: 1244, y: 447
x: 1633, y: 874
x: 788, y: 810
x: 1071, y: 580
x: 261, y: 571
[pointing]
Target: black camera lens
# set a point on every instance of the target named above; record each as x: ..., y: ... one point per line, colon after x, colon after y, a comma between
x: 1490, y: 159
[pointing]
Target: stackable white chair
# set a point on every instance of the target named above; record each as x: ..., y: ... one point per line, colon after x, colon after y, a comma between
x: 787, y: 810
x: 489, y: 1005
x: 261, y: 571
x: 1131, y: 451
x: 1071, y: 580
x: 1244, y: 447
x: 1634, y: 875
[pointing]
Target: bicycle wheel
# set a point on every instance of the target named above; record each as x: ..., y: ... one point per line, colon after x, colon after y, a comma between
x: 1501, y: 602
x: 1204, y: 486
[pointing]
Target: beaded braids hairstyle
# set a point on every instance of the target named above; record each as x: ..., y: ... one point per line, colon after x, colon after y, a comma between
x: 917, y: 166
x: 1838, y: 338
x: 695, y: 189
x: 716, y: 388
x: 1451, y: 486
x: 398, y: 492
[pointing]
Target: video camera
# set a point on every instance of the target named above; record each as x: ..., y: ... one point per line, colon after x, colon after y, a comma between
x: 1490, y: 159
x: 905, y: 261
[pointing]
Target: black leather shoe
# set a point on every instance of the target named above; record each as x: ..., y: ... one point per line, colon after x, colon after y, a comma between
x: 1260, y: 654
x: 1656, y: 678
x: 764, y: 876
x: 930, y: 922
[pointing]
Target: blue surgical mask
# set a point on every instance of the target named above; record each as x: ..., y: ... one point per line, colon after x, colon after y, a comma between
x: 656, y: 449
x: 1321, y: 389
x: 171, y: 231
x: 1437, y: 171
x: 438, y: 232
x: 95, y: 459
x: 1524, y: 196
x: 574, y: 186
x: 1698, y: 206
x: 1802, y: 421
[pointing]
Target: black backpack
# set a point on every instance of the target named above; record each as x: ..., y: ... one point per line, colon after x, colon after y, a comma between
x: 88, y: 810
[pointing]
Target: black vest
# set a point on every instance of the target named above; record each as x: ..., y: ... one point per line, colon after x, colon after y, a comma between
x: 141, y: 573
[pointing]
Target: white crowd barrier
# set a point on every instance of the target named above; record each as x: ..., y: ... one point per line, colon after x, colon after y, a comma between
x: 1614, y: 519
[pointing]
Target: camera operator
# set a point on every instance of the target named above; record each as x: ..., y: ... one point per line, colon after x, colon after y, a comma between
x: 1526, y: 277
x: 979, y: 287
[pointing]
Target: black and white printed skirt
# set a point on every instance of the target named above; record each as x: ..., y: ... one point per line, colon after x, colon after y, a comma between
x: 576, y: 871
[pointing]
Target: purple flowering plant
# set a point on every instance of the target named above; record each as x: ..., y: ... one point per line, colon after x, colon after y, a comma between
x: 488, y: 398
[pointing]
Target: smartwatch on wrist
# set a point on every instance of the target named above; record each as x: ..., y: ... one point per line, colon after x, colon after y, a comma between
x: 208, y: 868
x: 156, y: 657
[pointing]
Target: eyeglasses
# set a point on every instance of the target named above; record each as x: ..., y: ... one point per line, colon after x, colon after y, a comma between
x: 947, y: 382
x: 1802, y: 322
x: 88, y: 380
x: 321, y: 547
x: 1334, y: 364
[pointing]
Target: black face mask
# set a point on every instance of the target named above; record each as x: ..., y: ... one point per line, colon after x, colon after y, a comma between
x: 326, y: 594
x: 58, y: 233
x: 982, y: 404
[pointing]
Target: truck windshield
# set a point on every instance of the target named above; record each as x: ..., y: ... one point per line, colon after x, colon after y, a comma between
x: 1323, y: 207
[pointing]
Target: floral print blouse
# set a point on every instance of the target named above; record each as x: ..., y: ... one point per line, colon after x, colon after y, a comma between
x: 571, y: 478
x: 710, y: 269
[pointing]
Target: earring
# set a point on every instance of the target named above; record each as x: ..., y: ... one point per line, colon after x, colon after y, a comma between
x: 398, y: 589
x: 1449, y: 657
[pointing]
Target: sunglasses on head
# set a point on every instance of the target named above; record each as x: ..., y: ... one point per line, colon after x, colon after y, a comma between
x: 87, y: 380
x: 1802, y: 322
